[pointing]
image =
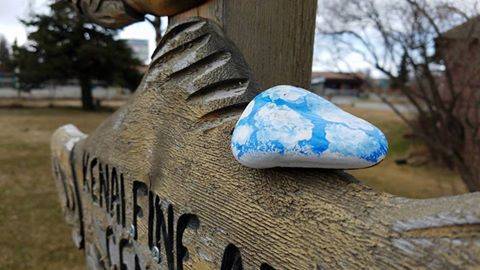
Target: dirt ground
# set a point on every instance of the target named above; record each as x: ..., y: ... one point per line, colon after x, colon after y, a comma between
x: 33, y: 234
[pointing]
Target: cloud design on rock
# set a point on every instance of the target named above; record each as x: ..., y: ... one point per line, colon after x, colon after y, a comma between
x: 287, y: 126
x: 243, y: 134
x: 282, y: 124
x: 291, y: 94
x: 348, y: 141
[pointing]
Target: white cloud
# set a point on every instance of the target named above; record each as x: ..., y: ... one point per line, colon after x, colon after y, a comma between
x: 339, y: 116
x: 283, y: 124
x: 242, y: 134
x: 286, y: 92
x: 349, y: 142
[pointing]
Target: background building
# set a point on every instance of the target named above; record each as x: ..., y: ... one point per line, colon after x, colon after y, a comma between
x: 338, y: 83
x: 7, y: 79
x: 140, y: 49
x: 460, y: 48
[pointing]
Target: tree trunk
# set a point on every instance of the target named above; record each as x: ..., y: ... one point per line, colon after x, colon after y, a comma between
x: 469, y: 177
x: 87, y: 98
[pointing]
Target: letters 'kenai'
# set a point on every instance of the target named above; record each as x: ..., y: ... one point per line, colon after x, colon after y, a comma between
x: 287, y: 126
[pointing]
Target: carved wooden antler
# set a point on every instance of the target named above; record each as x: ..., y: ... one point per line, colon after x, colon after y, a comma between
x: 156, y: 186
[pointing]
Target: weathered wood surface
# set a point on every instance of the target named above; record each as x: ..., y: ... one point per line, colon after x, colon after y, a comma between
x: 119, y: 13
x: 275, y: 36
x: 159, y: 188
x: 162, y: 7
x: 62, y: 144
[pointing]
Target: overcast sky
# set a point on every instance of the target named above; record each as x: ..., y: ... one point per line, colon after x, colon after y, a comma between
x: 12, y: 10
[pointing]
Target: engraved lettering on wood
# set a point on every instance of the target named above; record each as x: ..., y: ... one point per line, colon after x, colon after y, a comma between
x: 160, y: 189
x: 65, y: 180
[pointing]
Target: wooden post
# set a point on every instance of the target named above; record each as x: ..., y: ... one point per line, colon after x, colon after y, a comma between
x: 275, y: 36
x: 156, y: 185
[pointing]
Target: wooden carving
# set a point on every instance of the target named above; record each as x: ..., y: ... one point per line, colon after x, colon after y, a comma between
x: 159, y: 188
x: 119, y: 13
x: 64, y: 174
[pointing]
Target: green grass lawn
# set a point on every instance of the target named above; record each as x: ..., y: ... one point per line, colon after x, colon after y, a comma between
x: 33, y: 234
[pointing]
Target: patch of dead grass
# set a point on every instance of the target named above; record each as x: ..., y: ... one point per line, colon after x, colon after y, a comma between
x: 33, y: 233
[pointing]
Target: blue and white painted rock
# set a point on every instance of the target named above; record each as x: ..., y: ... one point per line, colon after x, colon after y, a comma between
x: 287, y: 126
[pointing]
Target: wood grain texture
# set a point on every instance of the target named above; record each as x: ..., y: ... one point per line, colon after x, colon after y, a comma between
x: 184, y: 193
x: 120, y: 13
x: 62, y: 143
x: 162, y: 7
x: 275, y: 36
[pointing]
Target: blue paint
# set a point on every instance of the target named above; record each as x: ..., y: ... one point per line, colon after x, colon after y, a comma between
x: 287, y: 126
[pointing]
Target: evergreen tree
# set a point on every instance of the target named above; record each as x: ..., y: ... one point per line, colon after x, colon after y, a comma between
x: 4, y: 54
x: 63, y: 45
x: 403, y: 74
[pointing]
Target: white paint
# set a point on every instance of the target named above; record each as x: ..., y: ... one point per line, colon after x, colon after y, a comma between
x: 72, y: 130
x: 278, y: 132
x: 348, y: 141
x: 286, y: 92
x: 242, y: 134
x: 262, y: 160
x: 280, y: 123
x: 74, y: 133
x: 71, y: 143
x: 345, y: 118
x: 339, y: 161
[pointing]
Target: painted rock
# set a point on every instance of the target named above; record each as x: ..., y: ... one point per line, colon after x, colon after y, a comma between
x: 287, y: 126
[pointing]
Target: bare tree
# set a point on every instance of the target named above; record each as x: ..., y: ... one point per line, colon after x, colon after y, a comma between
x: 435, y: 63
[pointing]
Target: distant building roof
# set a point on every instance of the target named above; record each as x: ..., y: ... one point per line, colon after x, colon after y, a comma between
x: 329, y: 75
x: 469, y: 29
